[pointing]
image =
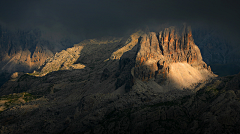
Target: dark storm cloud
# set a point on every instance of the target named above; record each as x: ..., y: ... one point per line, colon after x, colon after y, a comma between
x: 94, y: 18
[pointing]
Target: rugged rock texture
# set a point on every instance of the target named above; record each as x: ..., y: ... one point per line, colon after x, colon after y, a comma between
x: 25, y: 50
x: 25, y: 60
x: 63, y: 60
x: 110, y: 95
x: 22, y: 50
x: 159, y: 53
x: 67, y: 108
x: 169, y: 60
x: 89, y: 57
x: 130, y: 44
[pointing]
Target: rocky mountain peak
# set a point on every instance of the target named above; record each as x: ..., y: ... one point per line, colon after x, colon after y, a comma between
x: 137, y: 84
x: 158, y: 51
x: 165, y: 57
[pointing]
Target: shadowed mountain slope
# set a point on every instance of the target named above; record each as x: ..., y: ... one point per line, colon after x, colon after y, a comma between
x: 25, y: 50
x: 144, y: 83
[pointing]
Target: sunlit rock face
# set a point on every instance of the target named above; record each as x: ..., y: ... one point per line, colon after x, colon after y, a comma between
x: 24, y: 60
x: 122, y: 85
x: 26, y: 50
x: 169, y: 56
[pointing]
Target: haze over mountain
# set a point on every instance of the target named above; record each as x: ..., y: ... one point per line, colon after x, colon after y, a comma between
x: 95, y: 18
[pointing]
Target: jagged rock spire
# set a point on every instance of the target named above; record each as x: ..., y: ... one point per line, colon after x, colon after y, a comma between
x: 158, y: 50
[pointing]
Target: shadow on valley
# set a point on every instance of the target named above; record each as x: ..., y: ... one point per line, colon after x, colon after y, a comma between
x: 94, y: 56
x: 225, y: 69
x: 4, y: 77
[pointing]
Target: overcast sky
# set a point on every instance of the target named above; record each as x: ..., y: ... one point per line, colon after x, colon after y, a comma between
x: 95, y: 18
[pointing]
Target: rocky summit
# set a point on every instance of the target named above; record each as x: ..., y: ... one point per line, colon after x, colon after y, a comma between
x: 167, y: 55
x: 145, y: 82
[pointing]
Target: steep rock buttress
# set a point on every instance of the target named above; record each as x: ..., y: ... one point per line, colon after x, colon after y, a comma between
x: 169, y: 58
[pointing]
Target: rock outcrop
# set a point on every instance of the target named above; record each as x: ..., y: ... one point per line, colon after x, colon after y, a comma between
x: 25, y: 61
x: 160, y: 52
x: 63, y: 60
x: 123, y: 88
x: 22, y: 50
x: 26, y: 50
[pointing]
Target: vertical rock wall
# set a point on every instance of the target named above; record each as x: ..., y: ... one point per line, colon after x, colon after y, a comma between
x: 158, y: 50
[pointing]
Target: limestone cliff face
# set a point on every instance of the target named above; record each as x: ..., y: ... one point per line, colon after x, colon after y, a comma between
x: 24, y: 60
x: 158, y: 50
x: 26, y: 50
x: 22, y: 50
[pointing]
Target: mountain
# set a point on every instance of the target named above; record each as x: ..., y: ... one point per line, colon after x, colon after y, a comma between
x: 218, y: 51
x: 25, y: 50
x: 147, y: 82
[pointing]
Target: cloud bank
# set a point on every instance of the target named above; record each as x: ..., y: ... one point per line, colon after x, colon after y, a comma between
x: 95, y: 18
